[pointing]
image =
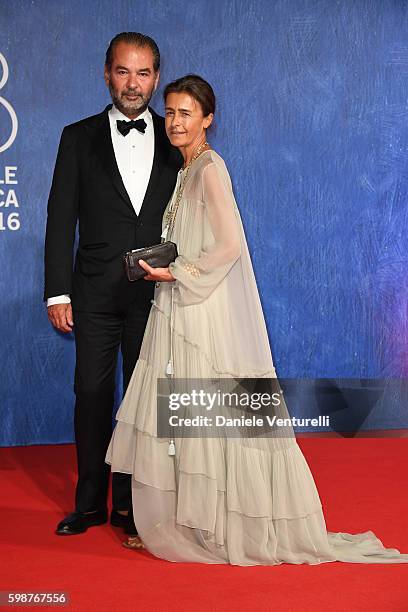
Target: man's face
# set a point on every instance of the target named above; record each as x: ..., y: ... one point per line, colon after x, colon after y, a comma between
x: 131, y: 78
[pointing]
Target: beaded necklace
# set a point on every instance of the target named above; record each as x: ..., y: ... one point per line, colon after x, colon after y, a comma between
x: 172, y: 212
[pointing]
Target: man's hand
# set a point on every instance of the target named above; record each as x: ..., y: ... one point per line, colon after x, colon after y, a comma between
x: 156, y: 274
x: 60, y: 316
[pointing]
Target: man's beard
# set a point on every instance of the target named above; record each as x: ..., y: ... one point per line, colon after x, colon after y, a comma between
x: 130, y: 107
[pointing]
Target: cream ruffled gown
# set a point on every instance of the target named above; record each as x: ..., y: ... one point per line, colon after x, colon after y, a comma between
x: 244, y: 501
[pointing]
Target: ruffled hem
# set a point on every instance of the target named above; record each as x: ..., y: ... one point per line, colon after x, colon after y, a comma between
x: 256, y: 484
x: 237, y: 539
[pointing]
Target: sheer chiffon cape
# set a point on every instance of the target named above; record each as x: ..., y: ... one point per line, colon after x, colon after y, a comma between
x: 243, y: 501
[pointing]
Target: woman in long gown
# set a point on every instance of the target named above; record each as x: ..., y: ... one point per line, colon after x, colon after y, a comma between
x: 238, y: 500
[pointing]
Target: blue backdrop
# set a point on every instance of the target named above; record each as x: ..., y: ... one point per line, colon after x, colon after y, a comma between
x: 312, y: 122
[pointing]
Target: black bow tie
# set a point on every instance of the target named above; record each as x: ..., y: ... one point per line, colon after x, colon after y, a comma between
x: 124, y: 127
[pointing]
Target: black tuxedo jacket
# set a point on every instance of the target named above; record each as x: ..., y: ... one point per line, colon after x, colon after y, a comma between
x: 87, y: 188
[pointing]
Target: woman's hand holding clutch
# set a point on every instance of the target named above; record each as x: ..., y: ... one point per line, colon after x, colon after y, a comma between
x: 156, y: 274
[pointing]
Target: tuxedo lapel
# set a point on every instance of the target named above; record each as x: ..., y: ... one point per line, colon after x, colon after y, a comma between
x: 106, y: 154
x: 159, y: 159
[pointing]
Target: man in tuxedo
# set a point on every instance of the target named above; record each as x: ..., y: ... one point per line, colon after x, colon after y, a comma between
x: 114, y: 174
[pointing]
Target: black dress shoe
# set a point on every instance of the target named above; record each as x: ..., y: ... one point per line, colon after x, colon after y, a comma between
x: 78, y: 522
x: 124, y: 521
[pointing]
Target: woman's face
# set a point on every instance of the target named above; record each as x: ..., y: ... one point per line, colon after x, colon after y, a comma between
x: 185, y: 122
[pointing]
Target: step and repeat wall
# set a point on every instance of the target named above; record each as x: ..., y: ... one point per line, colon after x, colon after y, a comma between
x: 312, y: 121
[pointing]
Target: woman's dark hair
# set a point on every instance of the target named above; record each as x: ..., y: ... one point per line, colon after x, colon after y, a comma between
x: 137, y: 39
x: 197, y: 88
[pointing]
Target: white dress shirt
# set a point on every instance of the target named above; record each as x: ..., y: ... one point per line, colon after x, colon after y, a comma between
x: 134, y: 155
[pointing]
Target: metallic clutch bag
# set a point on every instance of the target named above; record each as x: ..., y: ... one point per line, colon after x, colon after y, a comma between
x: 157, y: 256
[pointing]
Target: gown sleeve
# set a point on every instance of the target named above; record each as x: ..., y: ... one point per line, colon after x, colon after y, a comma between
x: 197, y: 278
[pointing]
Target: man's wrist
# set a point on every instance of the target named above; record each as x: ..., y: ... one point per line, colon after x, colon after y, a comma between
x: 58, y: 299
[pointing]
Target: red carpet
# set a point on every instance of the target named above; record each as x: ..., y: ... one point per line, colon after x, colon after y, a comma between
x: 362, y: 485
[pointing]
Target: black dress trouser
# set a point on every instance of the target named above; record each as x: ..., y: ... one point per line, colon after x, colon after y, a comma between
x: 98, y: 336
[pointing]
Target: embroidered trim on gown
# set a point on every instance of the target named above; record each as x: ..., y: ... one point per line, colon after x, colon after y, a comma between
x: 243, y: 501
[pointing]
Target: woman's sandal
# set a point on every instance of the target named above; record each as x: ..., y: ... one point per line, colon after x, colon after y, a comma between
x: 133, y: 542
